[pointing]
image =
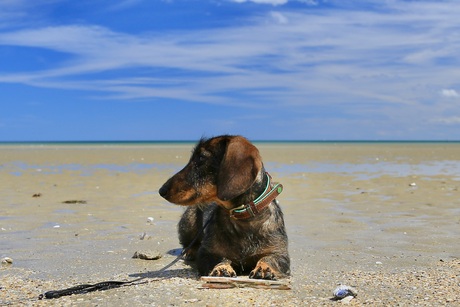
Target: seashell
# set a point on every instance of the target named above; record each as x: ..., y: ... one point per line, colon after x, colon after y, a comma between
x: 7, y: 260
x: 343, y: 291
x: 150, y: 219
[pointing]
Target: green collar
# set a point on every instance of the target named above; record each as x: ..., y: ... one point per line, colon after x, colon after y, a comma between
x: 260, y: 203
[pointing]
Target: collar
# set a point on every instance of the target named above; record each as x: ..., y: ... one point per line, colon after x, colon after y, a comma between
x: 256, y: 206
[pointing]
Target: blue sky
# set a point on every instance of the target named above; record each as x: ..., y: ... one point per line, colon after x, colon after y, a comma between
x: 267, y: 69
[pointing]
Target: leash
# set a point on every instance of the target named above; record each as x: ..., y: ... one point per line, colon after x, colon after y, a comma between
x: 106, y: 285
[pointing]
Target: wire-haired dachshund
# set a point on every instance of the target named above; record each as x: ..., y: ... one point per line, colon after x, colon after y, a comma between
x: 233, y: 223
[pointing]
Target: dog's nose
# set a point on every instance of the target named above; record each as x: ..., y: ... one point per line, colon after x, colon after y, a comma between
x: 163, y: 191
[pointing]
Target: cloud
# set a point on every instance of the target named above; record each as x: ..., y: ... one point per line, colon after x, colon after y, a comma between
x: 349, y: 59
x: 449, y: 93
x: 272, y: 2
x: 124, y: 4
x: 454, y: 120
x: 279, y: 17
x: 15, y: 13
x: 277, y: 2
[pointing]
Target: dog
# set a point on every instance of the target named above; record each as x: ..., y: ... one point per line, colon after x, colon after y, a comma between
x: 233, y: 223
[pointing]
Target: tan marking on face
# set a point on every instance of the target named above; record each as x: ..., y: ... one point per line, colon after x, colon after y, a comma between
x: 188, y: 196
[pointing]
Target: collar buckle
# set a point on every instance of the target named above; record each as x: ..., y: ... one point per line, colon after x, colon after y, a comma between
x: 241, y: 209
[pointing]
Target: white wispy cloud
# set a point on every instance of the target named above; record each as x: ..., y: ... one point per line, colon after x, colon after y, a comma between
x: 356, y: 61
x: 272, y: 2
x: 22, y: 12
x: 449, y: 93
x: 277, y: 2
x: 279, y: 17
x: 452, y: 120
x: 124, y: 4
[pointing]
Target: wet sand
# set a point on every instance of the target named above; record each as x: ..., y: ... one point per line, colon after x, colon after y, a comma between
x: 384, y: 218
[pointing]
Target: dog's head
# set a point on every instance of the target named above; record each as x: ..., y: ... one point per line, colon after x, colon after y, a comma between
x: 220, y: 169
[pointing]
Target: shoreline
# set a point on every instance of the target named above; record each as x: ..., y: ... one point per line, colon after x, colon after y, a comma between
x: 76, y: 144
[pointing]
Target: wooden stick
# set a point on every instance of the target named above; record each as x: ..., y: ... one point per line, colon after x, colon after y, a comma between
x: 231, y: 282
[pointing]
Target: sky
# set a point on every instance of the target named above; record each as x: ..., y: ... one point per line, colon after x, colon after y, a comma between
x: 92, y: 70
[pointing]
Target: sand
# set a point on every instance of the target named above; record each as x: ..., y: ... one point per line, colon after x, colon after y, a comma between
x: 383, y: 218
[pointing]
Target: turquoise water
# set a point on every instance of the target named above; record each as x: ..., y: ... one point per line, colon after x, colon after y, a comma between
x: 365, y: 168
x: 255, y: 141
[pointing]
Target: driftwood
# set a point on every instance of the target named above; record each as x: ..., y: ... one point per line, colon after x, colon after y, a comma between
x: 230, y: 282
x: 74, y: 201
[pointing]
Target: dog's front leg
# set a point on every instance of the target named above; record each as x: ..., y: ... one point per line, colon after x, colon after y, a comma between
x: 223, y: 269
x: 271, y: 267
x: 213, y: 265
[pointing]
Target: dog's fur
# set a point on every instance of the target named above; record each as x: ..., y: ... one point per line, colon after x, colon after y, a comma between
x: 223, y: 173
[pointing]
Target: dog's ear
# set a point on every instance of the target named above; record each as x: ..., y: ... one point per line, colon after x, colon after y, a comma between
x: 239, y: 168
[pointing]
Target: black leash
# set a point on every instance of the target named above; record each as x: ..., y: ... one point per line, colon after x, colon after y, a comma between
x: 105, y: 285
x: 85, y: 288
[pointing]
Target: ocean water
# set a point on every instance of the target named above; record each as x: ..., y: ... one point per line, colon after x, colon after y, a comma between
x: 119, y: 143
x: 367, y: 168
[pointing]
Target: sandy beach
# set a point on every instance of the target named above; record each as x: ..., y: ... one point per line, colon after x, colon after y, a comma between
x: 381, y: 217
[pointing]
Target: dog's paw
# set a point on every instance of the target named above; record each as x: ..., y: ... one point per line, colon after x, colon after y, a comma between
x: 263, y: 271
x: 223, y: 269
x: 189, y: 254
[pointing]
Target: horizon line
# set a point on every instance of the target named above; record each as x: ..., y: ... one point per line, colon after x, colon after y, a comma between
x: 252, y: 140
